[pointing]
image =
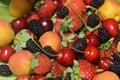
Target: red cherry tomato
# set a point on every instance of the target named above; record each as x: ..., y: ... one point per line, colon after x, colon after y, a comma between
x: 111, y: 26
x: 92, y: 53
x: 65, y: 57
x: 6, y: 52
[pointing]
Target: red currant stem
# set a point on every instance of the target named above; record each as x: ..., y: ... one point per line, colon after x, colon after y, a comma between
x: 43, y: 49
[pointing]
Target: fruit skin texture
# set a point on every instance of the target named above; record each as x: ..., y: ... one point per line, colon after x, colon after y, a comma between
x: 18, y: 8
x: 87, y: 70
x: 111, y: 26
x: 22, y: 77
x: 6, y: 32
x: 44, y: 64
x: 20, y: 62
x: 113, y: 10
x: 92, y: 53
x: 104, y: 63
x: 19, y: 24
x: 52, y: 39
x: 93, y: 39
x: 65, y: 57
x: 107, y: 75
x: 6, y: 52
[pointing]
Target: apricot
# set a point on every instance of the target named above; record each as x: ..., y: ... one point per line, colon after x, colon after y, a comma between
x: 20, y: 62
x: 107, y: 75
x: 51, y: 39
x: 6, y: 33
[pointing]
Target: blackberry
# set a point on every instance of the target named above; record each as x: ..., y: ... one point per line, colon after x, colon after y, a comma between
x: 104, y: 35
x: 36, y: 28
x: 50, y: 51
x: 32, y: 46
x: 5, y: 70
x: 116, y: 56
x: 93, y: 20
x: 62, y: 11
x: 115, y: 67
x: 96, y: 3
x: 79, y: 45
x: 117, y: 38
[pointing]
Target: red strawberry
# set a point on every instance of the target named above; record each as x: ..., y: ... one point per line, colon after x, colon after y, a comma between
x: 87, y: 70
x: 34, y: 16
x: 47, y: 9
x: 44, y: 64
x: 23, y: 77
x: 39, y: 77
x: 57, y: 69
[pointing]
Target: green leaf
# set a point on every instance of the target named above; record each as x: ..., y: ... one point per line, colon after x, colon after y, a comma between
x: 81, y: 34
x: 107, y: 45
x: 20, y: 40
x: 4, y: 10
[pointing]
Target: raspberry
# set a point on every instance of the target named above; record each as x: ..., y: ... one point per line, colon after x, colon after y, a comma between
x: 32, y: 46
x: 5, y: 70
x: 93, y: 20
x: 79, y: 45
x: 104, y: 35
x: 61, y: 12
x: 96, y: 3
x: 36, y: 28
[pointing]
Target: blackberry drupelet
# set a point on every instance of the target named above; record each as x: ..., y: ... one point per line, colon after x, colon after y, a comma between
x: 36, y: 28
x: 115, y: 67
x: 104, y: 35
x: 79, y: 45
x: 116, y: 56
x: 62, y: 11
x: 5, y: 70
x: 93, y: 20
x: 117, y: 38
x: 50, y: 52
x: 32, y: 46
x: 96, y: 3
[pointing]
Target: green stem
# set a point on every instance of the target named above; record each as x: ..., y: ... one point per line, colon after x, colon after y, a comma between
x: 43, y: 49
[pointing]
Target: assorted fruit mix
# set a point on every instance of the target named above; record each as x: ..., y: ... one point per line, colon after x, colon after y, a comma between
x: 61, y: 40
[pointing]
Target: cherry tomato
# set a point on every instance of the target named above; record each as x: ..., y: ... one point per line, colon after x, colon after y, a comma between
x: 91, y: 53
x: 65, y: 57
x: 6, y: 52
x: 111, y: 26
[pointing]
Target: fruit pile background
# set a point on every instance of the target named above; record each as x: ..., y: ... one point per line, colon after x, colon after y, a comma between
x: 60, y: 39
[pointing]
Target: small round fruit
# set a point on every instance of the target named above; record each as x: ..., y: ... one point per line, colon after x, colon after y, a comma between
x: 47, y: 24
x: 111, y: 26
x: 106, y: 75
x: 65, y: 57
x: 104, y: 63
x: 6, y: 33
x: 51, y: 39
x: 92, y: 39
x: 92, y: 53
x: 19, y: 24
x: 20, y: 62
x: 6, y: 52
